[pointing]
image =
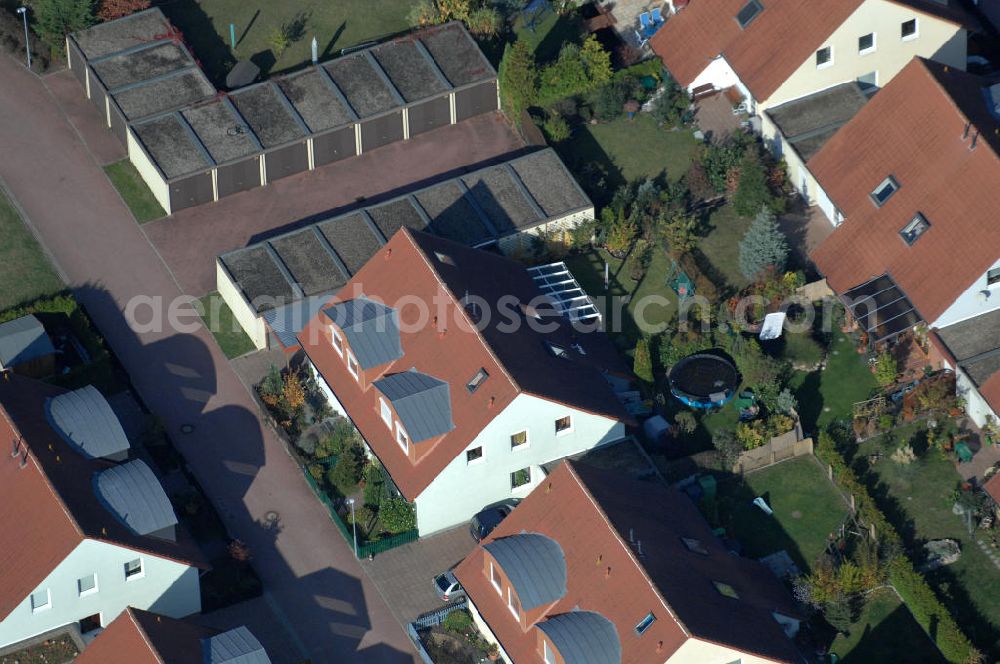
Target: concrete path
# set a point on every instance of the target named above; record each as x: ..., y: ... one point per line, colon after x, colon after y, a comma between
x: 316, y: 589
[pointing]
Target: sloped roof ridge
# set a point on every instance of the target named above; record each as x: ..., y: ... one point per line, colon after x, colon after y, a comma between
x: 142, y: 633
x: 946, y: 69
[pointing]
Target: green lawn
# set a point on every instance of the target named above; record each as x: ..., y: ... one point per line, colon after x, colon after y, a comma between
x: 806, y: 510
x: 630, y: 150
x: 218, y: 318
x: 720, y: 248
x: 335, y: 25
x: 547, y: 36
x: 134, y: 191
x: 25, y: 271
x: 828, y: 395
x: 883, y: 631
x: 917, y: 500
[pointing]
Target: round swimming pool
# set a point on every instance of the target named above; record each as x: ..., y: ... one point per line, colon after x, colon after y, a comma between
x: 704, y: 380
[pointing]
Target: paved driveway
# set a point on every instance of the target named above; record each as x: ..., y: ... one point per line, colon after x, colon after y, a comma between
x: 316, y: 589
x: 190, y: 240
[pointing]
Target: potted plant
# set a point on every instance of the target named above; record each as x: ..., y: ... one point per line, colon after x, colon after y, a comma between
x: 493, y: 652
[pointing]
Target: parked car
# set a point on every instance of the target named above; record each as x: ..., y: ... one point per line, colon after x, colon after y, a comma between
x: 448, y: 588
x: 483, y: 523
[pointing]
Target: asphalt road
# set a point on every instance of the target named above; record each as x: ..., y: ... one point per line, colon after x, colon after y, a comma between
x: 312, y: 583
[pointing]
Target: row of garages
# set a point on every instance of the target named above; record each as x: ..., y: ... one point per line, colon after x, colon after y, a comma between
x: 193, y: 145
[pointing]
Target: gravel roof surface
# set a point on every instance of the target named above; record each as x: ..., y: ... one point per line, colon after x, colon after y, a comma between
x: 170, y: 145
x: 457, y: 55
x: 258, y: 275
x: 187, y: 87
x: 113, y: 36
x: 394, y: 215
x: 314, y: 99
x: 365, y: 90
x: 501, y: 199
x: 310, y: 264
x: 408, y: 69
x: 452, y: 216
x: 264, y: 111
x: 129, y: 68
x: 550, y: 184
x: 217, y: 127
x: 352, y: 239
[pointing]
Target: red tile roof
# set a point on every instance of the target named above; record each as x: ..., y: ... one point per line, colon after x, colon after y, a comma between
x: 49, y: 506
x: 141, y: 637
x: 695, y: 36
x: 593, y: 514
x: 992, y: 487
x: 913, y: 130
x: 407, y: 271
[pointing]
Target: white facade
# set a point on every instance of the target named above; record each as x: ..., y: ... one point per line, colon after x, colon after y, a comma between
x: 975, y: 405
x: 696, y: 651
x: 978, y: 299
x: 163, y: 586
x: 463, y: 488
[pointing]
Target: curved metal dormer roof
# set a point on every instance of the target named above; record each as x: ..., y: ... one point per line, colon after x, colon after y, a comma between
x: 84, y: 419
x: 583, y: 637
x: 534, y: 564
x: 133, y: 494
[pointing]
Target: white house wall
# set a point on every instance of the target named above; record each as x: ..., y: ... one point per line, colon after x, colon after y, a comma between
x: 975, y: 405
x: 166, y: 587
x: 462, y: 489
x: 978, y: 299
x: 695, y: 651
x: 936, y: 39
x: 717, y: 74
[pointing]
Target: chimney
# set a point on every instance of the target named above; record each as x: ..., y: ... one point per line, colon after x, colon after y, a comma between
x: 388, y: 253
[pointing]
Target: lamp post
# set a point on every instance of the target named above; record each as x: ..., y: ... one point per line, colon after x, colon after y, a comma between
x: 23, y: 11
x: 354, y: 525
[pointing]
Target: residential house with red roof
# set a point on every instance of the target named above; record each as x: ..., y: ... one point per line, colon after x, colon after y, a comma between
x: 804, y: 67
x: 141, y: 637
x: 916, y: 176
x: 461, y: 376
x: 87, y: 532
x: 601, y: 568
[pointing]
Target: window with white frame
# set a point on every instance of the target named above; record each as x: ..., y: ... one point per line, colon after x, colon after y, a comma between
x: 866, y: 43
x: 519, y: 440
x: 564, y: 425
x: 495, y: 578
x: 520, y: 478
x: 133, y: 569
x: 547, y: 653
x: 352, y: 365
x: 513, y: 603
x: 908, y: 29
x: 824, y: 57
x: 474, y: 455
x: 402, y: 438
x: 338, y: 341
x: 993, y: 277
x: 385, y: 412
x: 41, y: 600
x: 86, y: 585
x: 884, y: 191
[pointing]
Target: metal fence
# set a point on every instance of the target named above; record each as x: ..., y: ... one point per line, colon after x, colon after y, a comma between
x: 432, y: 619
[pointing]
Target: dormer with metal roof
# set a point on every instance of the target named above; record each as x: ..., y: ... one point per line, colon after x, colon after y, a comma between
x: 583, y: 637
x: 84, y: 419
x: 534, y: 564
x: 237, y: 646
x: 132, y: 493
x: 421, y: 402
x: 371, y: 329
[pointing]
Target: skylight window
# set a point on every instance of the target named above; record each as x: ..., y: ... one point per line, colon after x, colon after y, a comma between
x: 477, y: 380
x: 694, y: 545
x: 913, y: 230
x: 884, y: 191
x: 726, y: 590
x: 749, y: 12
x: 444, y: 258
x: 557, y: 351
x: 645, y: 623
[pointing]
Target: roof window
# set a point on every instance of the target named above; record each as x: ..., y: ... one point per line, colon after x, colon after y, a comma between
x: 913, y: 230
x: 694, y: 545
x: 749, y: 12
x: 726, y: 590
x: 884, y: 191
x: 645, y: 623
x: 477, y: 380
x: 557, y: 351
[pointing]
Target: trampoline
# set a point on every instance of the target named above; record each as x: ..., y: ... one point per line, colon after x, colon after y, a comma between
x: 703, y: 380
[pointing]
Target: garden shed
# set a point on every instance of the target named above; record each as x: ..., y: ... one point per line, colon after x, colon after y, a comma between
x: 273, y: 287
x: 193, y: 144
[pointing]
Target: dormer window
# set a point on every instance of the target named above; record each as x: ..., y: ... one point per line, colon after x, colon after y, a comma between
x: 338, y: 341
x: 913, y: 230
x: 385, y: 412
x: 495, y: 578
x: 645, y: 623
x: 477, y: 380
x: 352, y: 366
x: 513, y: 604
x: 884, y: 191
x: 402, y: 438
x: 748, y: 13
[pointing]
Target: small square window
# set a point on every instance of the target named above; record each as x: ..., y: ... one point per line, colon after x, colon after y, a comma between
x: 520, y: 477
x: 473, y: 455
x: 694, y: 545
x: 41, y: 600
x: 645, y: 623
x: 338, y: 341
x: 866, y: 43
x: 402, y: 438
x: 564, y: 425
x: 477, y: 380
x: 133, y: 569
x: 908, y: 29
x: 87, y: 585
x: 519, y: 439
x: 749, y: 12
x: 884, y: 191
x: 726, y: 590
x: 993, y: 277
x: 913, y: 230
x: 824, y: 56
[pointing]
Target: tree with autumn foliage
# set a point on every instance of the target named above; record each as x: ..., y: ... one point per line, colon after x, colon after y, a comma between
x: 109, y: 10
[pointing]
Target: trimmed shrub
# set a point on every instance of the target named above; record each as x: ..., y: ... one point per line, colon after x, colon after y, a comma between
x: 642, y: 365
x: 518, y: 79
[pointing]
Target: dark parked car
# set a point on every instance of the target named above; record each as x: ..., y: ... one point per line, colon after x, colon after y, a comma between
x: 484, y: 522
x: 448, y: 588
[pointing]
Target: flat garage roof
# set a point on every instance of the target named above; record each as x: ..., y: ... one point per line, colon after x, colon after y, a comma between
x: 457, y: 55
x: 268, y: 113
x: 975, y: 345
x: 171, y: 144
x: 808, y: 123
x: 175, y: 90
x: 410, y: 69
x: 113, y: 36
x: 365, y: 89
x: 320, y: 257
x: 221, y: 130
x: 316, y: 99
x: 134, y: 67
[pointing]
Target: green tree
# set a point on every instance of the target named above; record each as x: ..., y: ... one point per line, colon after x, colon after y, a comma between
x: 680, y: 230
x: 620, y: 235
x: 752, y: 192
x: 764, y: 246
x: 397, y: 515
x: 608, y: 101
x: 345, y: 474
x: 54, y: 19
x: 518, y: 79
x: 672, y: 105
x: 596, y: 61
x: 564, y: 77
x: 556, y: 128
x: 885, y: 369
x: 686, y: 422
x: 642, y: 365
x: 838, y: 612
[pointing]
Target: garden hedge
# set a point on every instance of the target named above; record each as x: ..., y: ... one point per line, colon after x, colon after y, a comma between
x: 914, y: 590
